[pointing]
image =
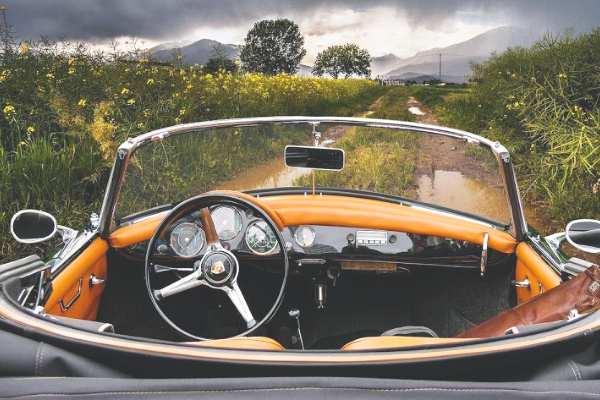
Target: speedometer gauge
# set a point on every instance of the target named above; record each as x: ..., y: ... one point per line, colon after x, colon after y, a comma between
x: 260, y: 238
x: 187, y: 239
x: 228, y: 222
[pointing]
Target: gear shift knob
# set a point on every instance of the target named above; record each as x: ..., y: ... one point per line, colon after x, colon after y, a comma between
x: 295, y: 313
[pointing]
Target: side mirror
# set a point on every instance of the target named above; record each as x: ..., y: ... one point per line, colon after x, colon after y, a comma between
x: 584, y: 234
x: 32, y: 226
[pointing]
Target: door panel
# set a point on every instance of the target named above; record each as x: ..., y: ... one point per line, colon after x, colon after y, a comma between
x: 73, y: 295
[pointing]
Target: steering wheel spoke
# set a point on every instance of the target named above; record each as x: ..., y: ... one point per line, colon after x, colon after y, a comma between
x: 187, y: 282
x: 212, y: 238
x: 238, y: 300
x: 159, y: 269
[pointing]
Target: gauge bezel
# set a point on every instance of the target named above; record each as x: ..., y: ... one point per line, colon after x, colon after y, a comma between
x: 239, y: 216
x: 313, y: 236
x: 174, y: 248
x: 270, y: 251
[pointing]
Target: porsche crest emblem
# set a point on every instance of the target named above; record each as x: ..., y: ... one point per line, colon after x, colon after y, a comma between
x: 217, y: 268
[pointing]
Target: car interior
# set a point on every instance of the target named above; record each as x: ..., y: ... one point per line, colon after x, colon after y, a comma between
x: 422, y: 283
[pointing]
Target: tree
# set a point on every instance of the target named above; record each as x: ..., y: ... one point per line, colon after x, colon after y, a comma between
x: 273, y: 47
x: 220, y: 62
x: 348, y: 60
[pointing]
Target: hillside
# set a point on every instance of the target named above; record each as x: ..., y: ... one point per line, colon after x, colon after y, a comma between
x: 456, y: 58
x: 195, y: 53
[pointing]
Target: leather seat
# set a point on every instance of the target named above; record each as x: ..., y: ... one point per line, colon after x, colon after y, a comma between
x: 242, y: 343
x: 391, y: 342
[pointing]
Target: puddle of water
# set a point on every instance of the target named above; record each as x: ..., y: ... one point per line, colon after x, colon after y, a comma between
x: 267, y: 175
x: 416, y: 111
x: 451, y: 189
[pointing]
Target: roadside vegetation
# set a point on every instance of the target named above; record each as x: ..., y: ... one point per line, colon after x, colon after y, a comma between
x: 64, y: 110
x: 543, y: 103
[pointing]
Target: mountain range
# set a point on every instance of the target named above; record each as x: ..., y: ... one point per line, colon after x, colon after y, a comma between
x: 455, y: 59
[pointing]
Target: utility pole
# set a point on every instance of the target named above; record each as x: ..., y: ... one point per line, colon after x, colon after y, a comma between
x: 440, y: 68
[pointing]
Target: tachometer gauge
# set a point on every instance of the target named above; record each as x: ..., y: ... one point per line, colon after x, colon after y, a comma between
x: 187, y: 239
x: 260, y: 238
x: 228, y: 222
x: 305, y: 236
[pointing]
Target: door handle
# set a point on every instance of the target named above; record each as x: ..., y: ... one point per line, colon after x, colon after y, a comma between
x: 73, y: 300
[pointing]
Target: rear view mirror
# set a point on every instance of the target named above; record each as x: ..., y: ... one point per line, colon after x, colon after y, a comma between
x: 314, y: 157
x: 32, y: 226
x: 584, y: 234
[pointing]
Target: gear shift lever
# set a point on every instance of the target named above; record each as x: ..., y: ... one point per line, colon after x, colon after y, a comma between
x: 295, y: 313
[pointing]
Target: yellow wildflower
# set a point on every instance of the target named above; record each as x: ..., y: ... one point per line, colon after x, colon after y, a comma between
x: 71, y: 71
x: 562, y: 75
x: 24, y: 48
x: 124, y: 91
x: 71, y: 61
x: 81, y: 102
x: 9, y: 110
x: 182, y: 111
x: 150, y: 81
x: 49, y: 76
x: 31, y: 129
x: 3, y: 8
x: 131, y: 102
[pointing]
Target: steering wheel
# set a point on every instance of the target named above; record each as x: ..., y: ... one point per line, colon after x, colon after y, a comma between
x: 217, y: 269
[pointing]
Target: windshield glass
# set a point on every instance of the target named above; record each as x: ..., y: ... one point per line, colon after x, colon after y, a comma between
x: 438, y: 170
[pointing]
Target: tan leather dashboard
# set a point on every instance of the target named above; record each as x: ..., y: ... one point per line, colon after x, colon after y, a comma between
x: 331, y: 210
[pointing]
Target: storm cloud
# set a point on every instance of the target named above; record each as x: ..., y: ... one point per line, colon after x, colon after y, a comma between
x: 158, y: 20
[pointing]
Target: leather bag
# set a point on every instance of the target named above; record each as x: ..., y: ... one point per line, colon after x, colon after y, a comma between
x: 581, y: 293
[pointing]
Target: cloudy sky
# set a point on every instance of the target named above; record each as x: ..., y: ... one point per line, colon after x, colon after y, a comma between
x: 402, y: 27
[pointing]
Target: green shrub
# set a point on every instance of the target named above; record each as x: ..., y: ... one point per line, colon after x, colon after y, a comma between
x: 543, y: 104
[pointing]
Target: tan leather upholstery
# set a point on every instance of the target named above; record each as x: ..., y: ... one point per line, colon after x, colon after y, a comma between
x: 392, y: 342
x: 245, y: 343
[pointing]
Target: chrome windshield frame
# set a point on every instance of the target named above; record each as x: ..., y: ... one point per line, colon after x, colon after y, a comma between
x: 125, y: 151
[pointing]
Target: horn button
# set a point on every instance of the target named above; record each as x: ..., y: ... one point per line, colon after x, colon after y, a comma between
x: 218, y: 267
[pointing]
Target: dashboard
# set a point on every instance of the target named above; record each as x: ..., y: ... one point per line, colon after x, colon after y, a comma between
x: 249, y: 236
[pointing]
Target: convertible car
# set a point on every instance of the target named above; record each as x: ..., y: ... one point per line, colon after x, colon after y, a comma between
x: 343, y: 256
